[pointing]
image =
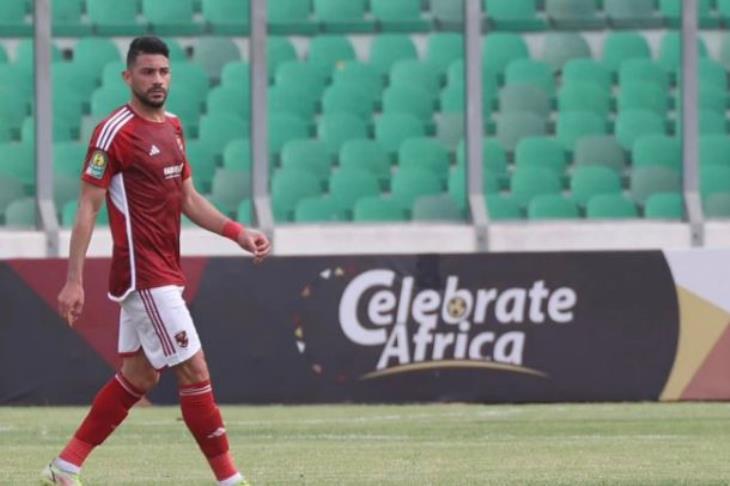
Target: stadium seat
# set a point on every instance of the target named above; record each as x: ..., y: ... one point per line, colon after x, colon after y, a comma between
x: 178, y: 104
x: 450, y: 128
x: 665, y: 205
x: 574, y: 14
x: 457, y: 186
x: 453, y: 100
x: 641, y: 95
x: 288, y: 187
x: 348, y: 185
x: 305, y: 76
x: 362, y: 76
x: 17, y: 82
x: 712, y: 73
x: 24, y: 54
x: 414, y: 73
x: 310, y: 155
x: 336, y: 16
x: 12, y: 19
x: 494, y: 159
x: 435, y: 208
x: 560, y: 47
x: 449, y: 15
x: 501, y: 48
x: 366, y: 154
x: 528, y: 71
x: 643, y: 71
x: 672, y: 12
x: 68, y: 158
x: 717, y: 205
x: 633, y: 124
x: 244, y: 212
x: 711, y: 98
x: 524, y: 98
x: 533, y: 181
x: 573, y: 125
x: 377, y: 209
x: 620, y: 47
x: 213, y: 53
x: 201, y: 156
x: 108, y: 98
x: 502, y: 208
x: 327, y: 51
x: 177, y: 53
x: 227, y: 17
x: 658, y: 150
x: 237, y: 155
x: 589, y: 181
x: 348, y: 99
x: 399, y: 15
x: 337, y: 128
x: 318, y: 209
x: 391, y: 129
x: 711, y: 122
x: 62, y: 130
x: 514, y: 15
x: 387, y: 49
x: 13, y: 108
x: 611, y: 206
x: 11, y: 188
x: 282, y: 128
x: 293, y: 99
x: 230, y: 187
x: 171, y: 17
x: 228, y: 100
x: 714, y: 179
x: 290, y: 17
x: 444, y: 48
x: 512, y: 127
x: 92, y: 54
x: 551, y: 206
x: 193, y: 77
x: 278, y: 51
x: 111, y: 75
x: 670, y: 51
x: 645, y: 181
x: 65, y: 189
x: 584, y: 97
x: 410, y: 100
x: 714, y: 150
x: 237, y: 75
x: 18, y: 161
x: 542, y: 152
x: 629, y: 14
x: 66, y: 18
x: 409, y: 183
x: 21, y: 213
x: 114, y: 18
x: 76, y: 79
x: 425, y: 153
x: 220, y: 129
x: 587, y: 71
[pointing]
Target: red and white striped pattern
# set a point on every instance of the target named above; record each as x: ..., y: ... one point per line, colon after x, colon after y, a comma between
x: 200, y: 389
x: 153, y: 313
x: 112, y: 127
x: 128, y: 387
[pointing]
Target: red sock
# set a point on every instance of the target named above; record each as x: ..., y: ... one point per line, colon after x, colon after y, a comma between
x: 204, y: 420
x: 109, y: 409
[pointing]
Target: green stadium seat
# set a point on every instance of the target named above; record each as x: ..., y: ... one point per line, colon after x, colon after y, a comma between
x: 327, y: 51
x: 620, y: 47
x: 62, y: 131
x: 66, y: 18
x: 288, y: 187
x: 348, y: 185
x: 640, y: 95
x: 410, y: 100
x: 712, y: 73
x: 645, y: 181
x: 717, y: 205
x: 237, y: 155
x: 336, y: 16
x: 658, y: 150
x: 714, y: 150
x: 714, y: 179
x: 712, y: 122
x: 68, y: 158
x: 512, y: 127
x: 362, y: 76
x: 368, y: 155
x: 194, y: 78
x: 391, y: 129
x: 409, y: 183
x: 171, y: 17
x: 524, y: 98
x: 318, y: 209
x: 201, y: 156
x: 528, y: 182
x: 11, y: 188
x: 444, y: 48
x: 278, y: 51
x: 237, y: 75
x: 573, y: 125
x: 574, y: 14
x: 65, y: 189
x: 114, y: 18
x: 501, y: 48
x: 502, y: 208
x: 377, y: 209
x: 449, y: 15
x: 218, y: 204
x: 550, y: 207
x: 643, y: 71
x: 12, y: 19
x: 399, y: 15
x: 561, y: 47
x: 630, y: 14
x: 230, y: 187
x: 108, y: 98
x: 68, y: 108
x: 244, y: 212
x: 296, y: 100
x: 282, y: 128
x: 544, y: 152
x: 611, y: 206
x: 337, y: 128
x: 457, y: 186
x: 589, y: 181
x: 450, y: 128
x: 228, y: 100
x: 290, y: 17
x: 453, y: 100
x: 665, y: 205
x: 18, y: 160
x: 514, y: 15
x: 76, y: 79
x: 633, y: 124
x: 7, y: 132
x: 414, y: 73
x: 220, y: 129
x: 305, y: 76
x: 92, y: 54
x: 671, y: 10
x: 584, y: 96
x: 310, y: 155
x: 711, y: 98
x: 535, y: 73
x: 24, y: 54
x: 21, y: 213
x: 111, y: 75
x: 494, y: 159
x: 348, y: 99
x: 490, y: 79
x: 387, y: 49
x: 13, y: 108
x: 213, y: 53
x: 587, y: 71
x: 670, y: 51
x: 436, y: 208
x: 425, y: 153
x: 177, y: 52
x: 227, y: 17
x: 178, y: 104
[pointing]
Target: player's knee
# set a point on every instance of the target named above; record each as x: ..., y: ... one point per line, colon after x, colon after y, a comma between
x: 194, y: 370
x: 143, y: 379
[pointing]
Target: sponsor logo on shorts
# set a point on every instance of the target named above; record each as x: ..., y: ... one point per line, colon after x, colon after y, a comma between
x: 182, y: 339
x: 97, y: 164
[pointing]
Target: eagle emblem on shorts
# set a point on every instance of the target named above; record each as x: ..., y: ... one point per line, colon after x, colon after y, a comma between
x: 182, y: 339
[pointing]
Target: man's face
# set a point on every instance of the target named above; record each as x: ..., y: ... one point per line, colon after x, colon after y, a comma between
x: 149, y: 79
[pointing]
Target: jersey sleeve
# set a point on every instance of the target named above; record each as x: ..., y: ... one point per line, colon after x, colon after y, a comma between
x: 101, y: 165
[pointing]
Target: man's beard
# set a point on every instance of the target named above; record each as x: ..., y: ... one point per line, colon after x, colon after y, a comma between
x: 147, y: 101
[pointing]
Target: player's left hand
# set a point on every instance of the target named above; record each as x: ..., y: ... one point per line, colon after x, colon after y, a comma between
x: 255, y: 243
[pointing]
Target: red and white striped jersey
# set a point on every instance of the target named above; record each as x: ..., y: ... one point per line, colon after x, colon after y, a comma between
x: 143, y: 165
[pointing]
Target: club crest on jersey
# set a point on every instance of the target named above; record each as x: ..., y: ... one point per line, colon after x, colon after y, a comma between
x: 97, y: 164
x: 182, y: 339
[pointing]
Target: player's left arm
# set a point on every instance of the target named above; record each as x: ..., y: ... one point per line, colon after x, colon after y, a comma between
x: 204, y: 214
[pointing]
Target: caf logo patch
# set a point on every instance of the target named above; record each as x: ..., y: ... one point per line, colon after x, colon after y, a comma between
x: 182, y: 339
x: 97, y: 164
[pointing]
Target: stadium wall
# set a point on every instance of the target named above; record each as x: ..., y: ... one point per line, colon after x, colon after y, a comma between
x: 500, y: 327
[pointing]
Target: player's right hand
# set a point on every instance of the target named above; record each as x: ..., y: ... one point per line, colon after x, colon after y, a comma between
x: 71, y: 301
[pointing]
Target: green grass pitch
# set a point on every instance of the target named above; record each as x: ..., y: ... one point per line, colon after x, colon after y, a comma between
x: 452, y: 444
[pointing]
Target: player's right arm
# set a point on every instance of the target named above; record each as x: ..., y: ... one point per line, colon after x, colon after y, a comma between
x: 71, y: 298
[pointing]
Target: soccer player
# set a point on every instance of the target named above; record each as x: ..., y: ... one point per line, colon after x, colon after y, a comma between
x: 136, y: 161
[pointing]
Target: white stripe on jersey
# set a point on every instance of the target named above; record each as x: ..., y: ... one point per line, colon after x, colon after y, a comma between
x: 108, y: 124
x: 106, y: 143
x: 118, y: 197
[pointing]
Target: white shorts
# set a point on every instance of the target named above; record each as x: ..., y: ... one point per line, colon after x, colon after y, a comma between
x: 158, y: 321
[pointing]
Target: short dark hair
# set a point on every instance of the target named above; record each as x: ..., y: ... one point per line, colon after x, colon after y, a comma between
x: 147, y: 44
